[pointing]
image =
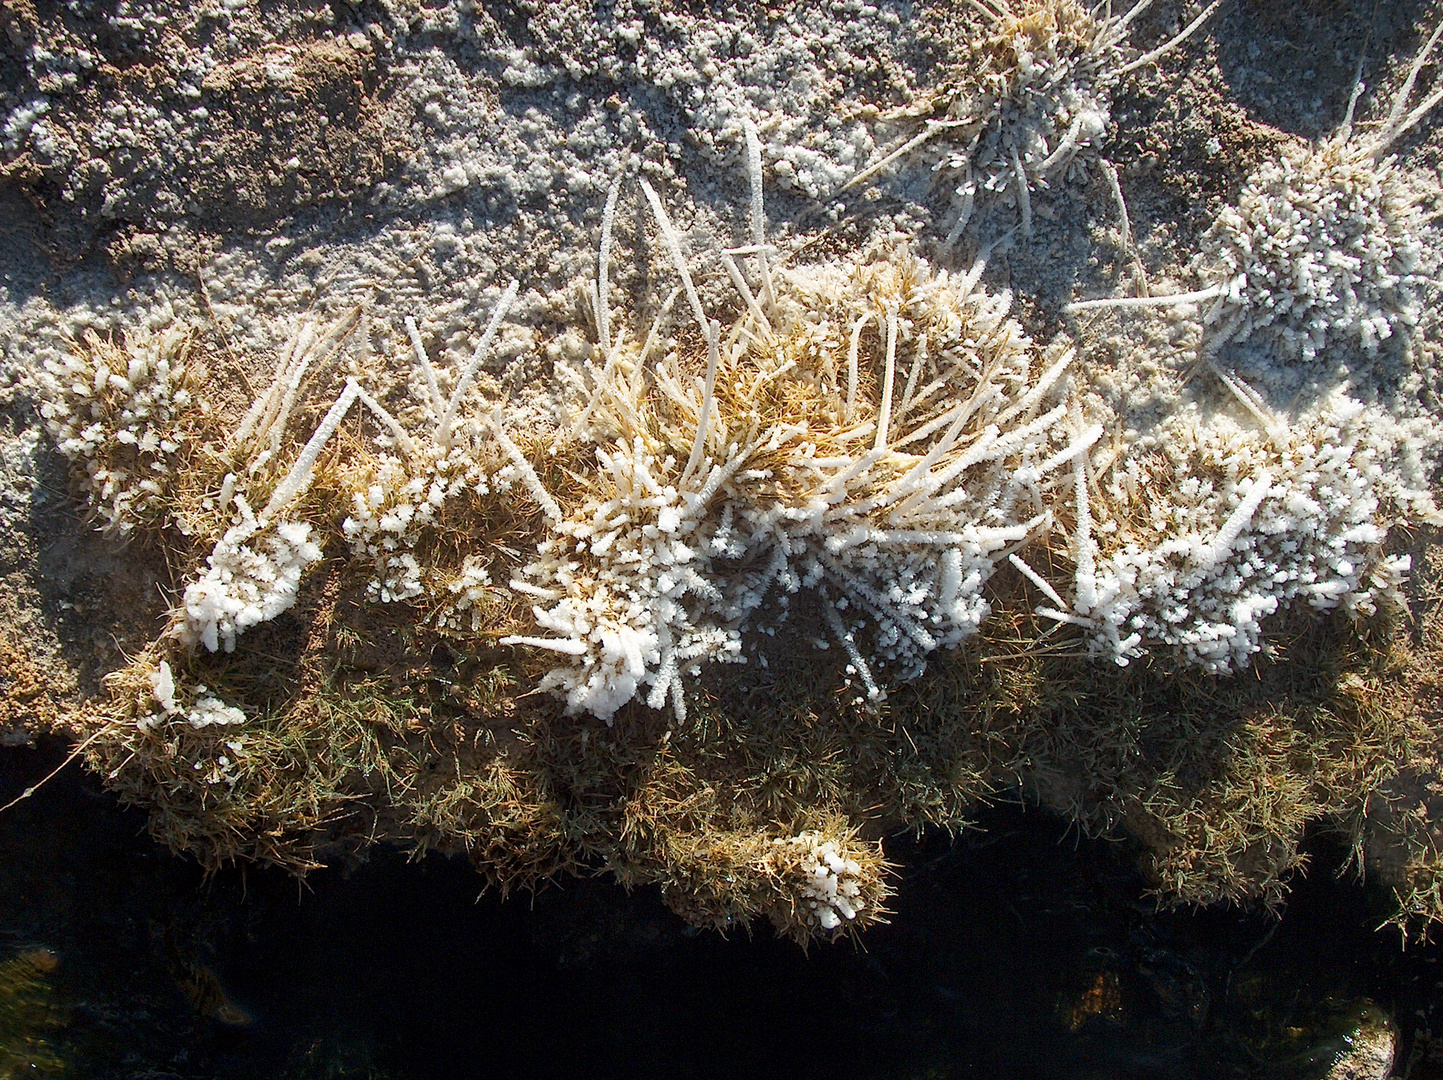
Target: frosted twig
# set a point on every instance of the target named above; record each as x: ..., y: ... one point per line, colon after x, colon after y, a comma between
x: 943, y: 419
x: 569, y: 646
x: 907, y: 484
x: 1037, y: 579
x: 433, y: 389
x: 1086, y: 547
x: 979, y: 265
x: 528, y: 474
x: 1029, y: 400
x: 443, y: 431
x: 1115, y: 30
x: 969, y: 199
x: 264, y: 404
x: 1252, y: 403
x: 985, y: 11
x: 884, y: 417
x: 759, y: 234
x: 919, y: 361
x: 1068, y: 143
x: 1345, y: 129
x: 1237, y: 521
x: 1024, y: 200
x: 1139, y: 274
x: 932, y: 128
x: 834, y: 620
x: 852, y: 363
x: 274, y: 427
x: 295, y: 483
x: 703, y: 423
x: 381, y: 413
x: 273, y: 423
x: 1197, y: 297
x: 1066, y: 617
x: 1411, y: 119
x: 603, y: 269
x: 1083, y: 443
x: 1392, y: 128
x: 734, y: 272
x: 673, y: 246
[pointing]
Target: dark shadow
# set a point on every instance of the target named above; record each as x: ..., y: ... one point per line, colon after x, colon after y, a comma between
x: 1016, y: 951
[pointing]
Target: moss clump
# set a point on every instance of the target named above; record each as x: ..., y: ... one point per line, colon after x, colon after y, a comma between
x: 400, y: 737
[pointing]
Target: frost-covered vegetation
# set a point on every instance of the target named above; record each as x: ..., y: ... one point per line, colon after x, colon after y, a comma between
x: 1322, y: 242
x: 1031, y: 102
x: 841, y: 546
x: 1247, y: 521
x: 797, y: 467
x: 121, y: 413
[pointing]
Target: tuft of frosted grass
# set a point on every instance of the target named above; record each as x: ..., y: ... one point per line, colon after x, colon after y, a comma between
x: 245, y: 583
x: 1040, y: 102
x: 254, y: 571
x: 884, y: 478
x: 1322, y: 244
x: 205, y: 709
x: 1032, y: 99
x: 1205, y: 540
x: 119, y: 413
x: 453, y: 464
x: 1325, y: 243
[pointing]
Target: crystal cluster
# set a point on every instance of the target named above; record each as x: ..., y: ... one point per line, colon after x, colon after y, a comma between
x: 115, y: 411
x: 1229, y: 525
x: 1322, y: 244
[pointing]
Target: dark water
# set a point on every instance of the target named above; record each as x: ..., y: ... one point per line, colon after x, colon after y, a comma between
x: 1014, y: 952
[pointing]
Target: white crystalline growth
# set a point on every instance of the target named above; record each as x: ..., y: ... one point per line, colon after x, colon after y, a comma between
x: 1050, y: 105
x: 622, y: 614
x: 400, y: 505
x: 1322, y: 244
x: 243, y: 586
x: 471, y: 591
x: 891, y: 515
x: 206, y: 711
x: 831, y: 889
x: 115, y: 414
x: 1236, y: 527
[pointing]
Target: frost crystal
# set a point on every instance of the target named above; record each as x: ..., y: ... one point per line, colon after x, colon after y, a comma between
x: 1321, y: 244
x: 206, y: 711
x: 243, y: 586
x: 114, y: 410
x: 1232, y: 525
x: 831, y: 889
